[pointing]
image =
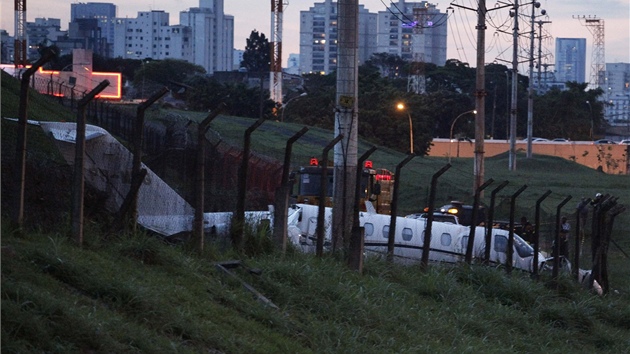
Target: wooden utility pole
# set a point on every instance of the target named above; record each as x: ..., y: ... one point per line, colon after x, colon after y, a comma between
x: 480, y: 96
x: 513, y: 107
x: 346, y: 121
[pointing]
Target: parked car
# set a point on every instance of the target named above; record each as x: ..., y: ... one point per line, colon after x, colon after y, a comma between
x: 561, y: 140
x: 625, y: 142
x: 603, y: 141
x: 538, y: 140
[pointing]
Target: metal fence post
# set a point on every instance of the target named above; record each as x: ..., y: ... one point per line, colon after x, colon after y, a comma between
x: 426, y: 247
x: 198, y: 234
x: 490, y: 221
x: 282, y: 195
x: 510, y: 246
x: 473, y: 224
x: 537, y: 233
x: 323, y: 191
x: 391, y: 237
x: 556, y: 247
x: 79, y: 159
x: 238, y: 222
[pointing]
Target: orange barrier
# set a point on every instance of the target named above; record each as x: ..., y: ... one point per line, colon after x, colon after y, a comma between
x: 608, y: 158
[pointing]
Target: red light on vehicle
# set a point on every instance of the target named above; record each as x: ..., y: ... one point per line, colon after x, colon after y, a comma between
x: 383, y: 177
x: 314, y: 161
x: 368, y: 164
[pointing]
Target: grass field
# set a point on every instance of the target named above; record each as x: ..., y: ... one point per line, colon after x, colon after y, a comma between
x: 136, y: 293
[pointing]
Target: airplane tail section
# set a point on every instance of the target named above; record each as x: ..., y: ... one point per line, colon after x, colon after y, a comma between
x: 370, y: 207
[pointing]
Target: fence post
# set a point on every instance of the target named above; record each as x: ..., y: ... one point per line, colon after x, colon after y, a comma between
x: 426, y: 247
x: 490, y: 221
x: 323, y: 191
x: 355, y: 249
x: 239, y: 217
x: 79, y: 159
x: 537, y: 234
x: 578, y: 226
x: 510, y: 246
x: 137, y: 151
x: 282, y: 195
x: 473, y: 224
x: 391, y: 237
x: 198, y: 234
x: 556, y: 246
x: 20, y: 155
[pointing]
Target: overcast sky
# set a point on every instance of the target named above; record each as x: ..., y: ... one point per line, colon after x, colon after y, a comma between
x: 256, y: 14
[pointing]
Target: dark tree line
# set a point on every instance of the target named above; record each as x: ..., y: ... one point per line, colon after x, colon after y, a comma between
x: 574, y: 113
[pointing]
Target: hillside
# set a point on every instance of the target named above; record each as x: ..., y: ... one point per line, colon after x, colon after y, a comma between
x: 136, y: 293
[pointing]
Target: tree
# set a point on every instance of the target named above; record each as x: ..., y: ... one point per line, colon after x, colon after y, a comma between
x: 257, y: 59
x: 154, y: 74
x: 257, y: 55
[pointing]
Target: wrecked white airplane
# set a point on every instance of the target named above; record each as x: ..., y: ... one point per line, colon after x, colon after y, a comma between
x: 162, y: 210
x: 448, y: 240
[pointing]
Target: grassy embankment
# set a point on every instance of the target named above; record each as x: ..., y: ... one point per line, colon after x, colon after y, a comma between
x: 133, y: 293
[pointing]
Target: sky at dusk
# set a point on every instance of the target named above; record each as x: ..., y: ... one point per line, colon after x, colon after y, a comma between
x: 462, y: 36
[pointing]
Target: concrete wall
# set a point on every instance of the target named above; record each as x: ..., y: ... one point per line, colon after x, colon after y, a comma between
x: 611, y: 158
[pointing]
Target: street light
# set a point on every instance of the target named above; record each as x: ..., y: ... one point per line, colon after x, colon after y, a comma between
x: 401, y: 107
x: 473, y: 111
x: 591, y: 110
x: 284, y: 106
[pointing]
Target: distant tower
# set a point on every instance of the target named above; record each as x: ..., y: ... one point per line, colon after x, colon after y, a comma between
x: 598, y: 62
x: 275, y: 72
x: 20, y: 33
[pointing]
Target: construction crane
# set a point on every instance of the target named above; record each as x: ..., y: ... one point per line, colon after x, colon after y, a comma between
x: 275, y: 70
x: 20, y: 34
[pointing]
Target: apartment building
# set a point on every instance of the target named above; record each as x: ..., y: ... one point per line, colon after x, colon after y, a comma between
x: 617, y: 94
x: 570, y: 59
x: 415, y: 31
x: 318, y: 37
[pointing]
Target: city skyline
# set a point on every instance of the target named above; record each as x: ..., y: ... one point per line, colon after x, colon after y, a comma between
x: 256, y: 15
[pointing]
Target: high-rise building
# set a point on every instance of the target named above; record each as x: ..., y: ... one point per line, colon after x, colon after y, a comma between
x: 617, y: 94
x: 570, y: 59
x: 105, y: 15
x: 42, y: 32
x: 150, y: 36
x: 318, y: 37
x: 212, y: 35
x: 205, y: 36
x: 415, y: 31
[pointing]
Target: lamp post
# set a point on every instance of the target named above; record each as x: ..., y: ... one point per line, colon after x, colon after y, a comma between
x: 284, y: 106
x: 401, y: 107
x: 591, y: 110
x: 473, y: 111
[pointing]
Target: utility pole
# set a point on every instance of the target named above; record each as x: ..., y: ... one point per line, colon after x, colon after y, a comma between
x: 275, y: 72
x: 513, y: 107
x: 530, y: 91
x: 480, y: 96
x: 540, y: 24
x: 346, y: 122
x: 480, y: 93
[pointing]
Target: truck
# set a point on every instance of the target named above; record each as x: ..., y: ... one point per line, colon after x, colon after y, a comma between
x: 377, y: 186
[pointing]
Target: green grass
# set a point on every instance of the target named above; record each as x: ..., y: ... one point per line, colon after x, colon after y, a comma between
x: 135, y: 293
x: 138, y: 294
